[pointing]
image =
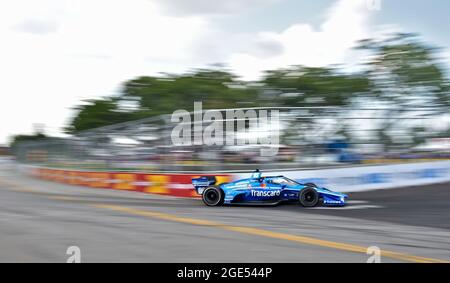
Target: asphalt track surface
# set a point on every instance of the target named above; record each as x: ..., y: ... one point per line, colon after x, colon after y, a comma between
x: 39, y: 220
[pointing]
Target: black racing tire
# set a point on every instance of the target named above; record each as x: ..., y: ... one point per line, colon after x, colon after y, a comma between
x: 309, y: 197
x: 213, y: 196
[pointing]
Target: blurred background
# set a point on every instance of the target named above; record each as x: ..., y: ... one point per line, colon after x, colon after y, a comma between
x: 351, y: 87
x: 394, y: 110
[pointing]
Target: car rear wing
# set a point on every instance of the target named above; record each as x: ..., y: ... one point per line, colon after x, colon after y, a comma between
x: 203, y: 182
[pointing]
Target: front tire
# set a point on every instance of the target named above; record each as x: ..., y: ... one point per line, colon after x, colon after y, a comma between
x: 309, y: 197
x: 213, y: 196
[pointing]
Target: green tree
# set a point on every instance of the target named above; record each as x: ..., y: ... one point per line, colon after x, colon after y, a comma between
x: 98, y: 113
x: 163, y: 95
x: 15, y: 140
x: 406, y: 71
x: 304, y: 86
x: 315, y: 87
x: 407, y: 76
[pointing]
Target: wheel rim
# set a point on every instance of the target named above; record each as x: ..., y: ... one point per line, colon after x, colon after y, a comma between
x: 309, y: 197
x: 212, y: 197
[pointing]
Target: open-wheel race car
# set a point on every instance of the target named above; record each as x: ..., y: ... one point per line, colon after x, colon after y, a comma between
x: 259, y: 190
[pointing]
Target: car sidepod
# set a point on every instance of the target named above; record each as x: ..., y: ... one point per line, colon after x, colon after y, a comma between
x: 250, y: 192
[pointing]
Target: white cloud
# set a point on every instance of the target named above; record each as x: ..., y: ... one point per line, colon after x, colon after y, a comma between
x: 346, y: 23
x: 96, y: 45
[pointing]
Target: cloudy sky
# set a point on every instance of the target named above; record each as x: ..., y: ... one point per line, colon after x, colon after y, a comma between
x: 54, y: 53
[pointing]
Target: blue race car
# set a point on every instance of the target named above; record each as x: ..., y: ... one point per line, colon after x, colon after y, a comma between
x: 259, y: 190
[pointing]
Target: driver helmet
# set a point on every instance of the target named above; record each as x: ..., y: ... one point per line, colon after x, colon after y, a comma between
x: 256, y: 174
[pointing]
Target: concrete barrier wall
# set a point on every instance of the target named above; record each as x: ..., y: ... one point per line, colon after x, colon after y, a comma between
x: 365, y: 178
x: 352, y: 179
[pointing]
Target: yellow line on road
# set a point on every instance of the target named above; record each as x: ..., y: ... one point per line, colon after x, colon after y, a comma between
x: 269, y: 234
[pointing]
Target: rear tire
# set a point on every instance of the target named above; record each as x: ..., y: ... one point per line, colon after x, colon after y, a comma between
x: 213, y: 196
x: 309, y: 197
